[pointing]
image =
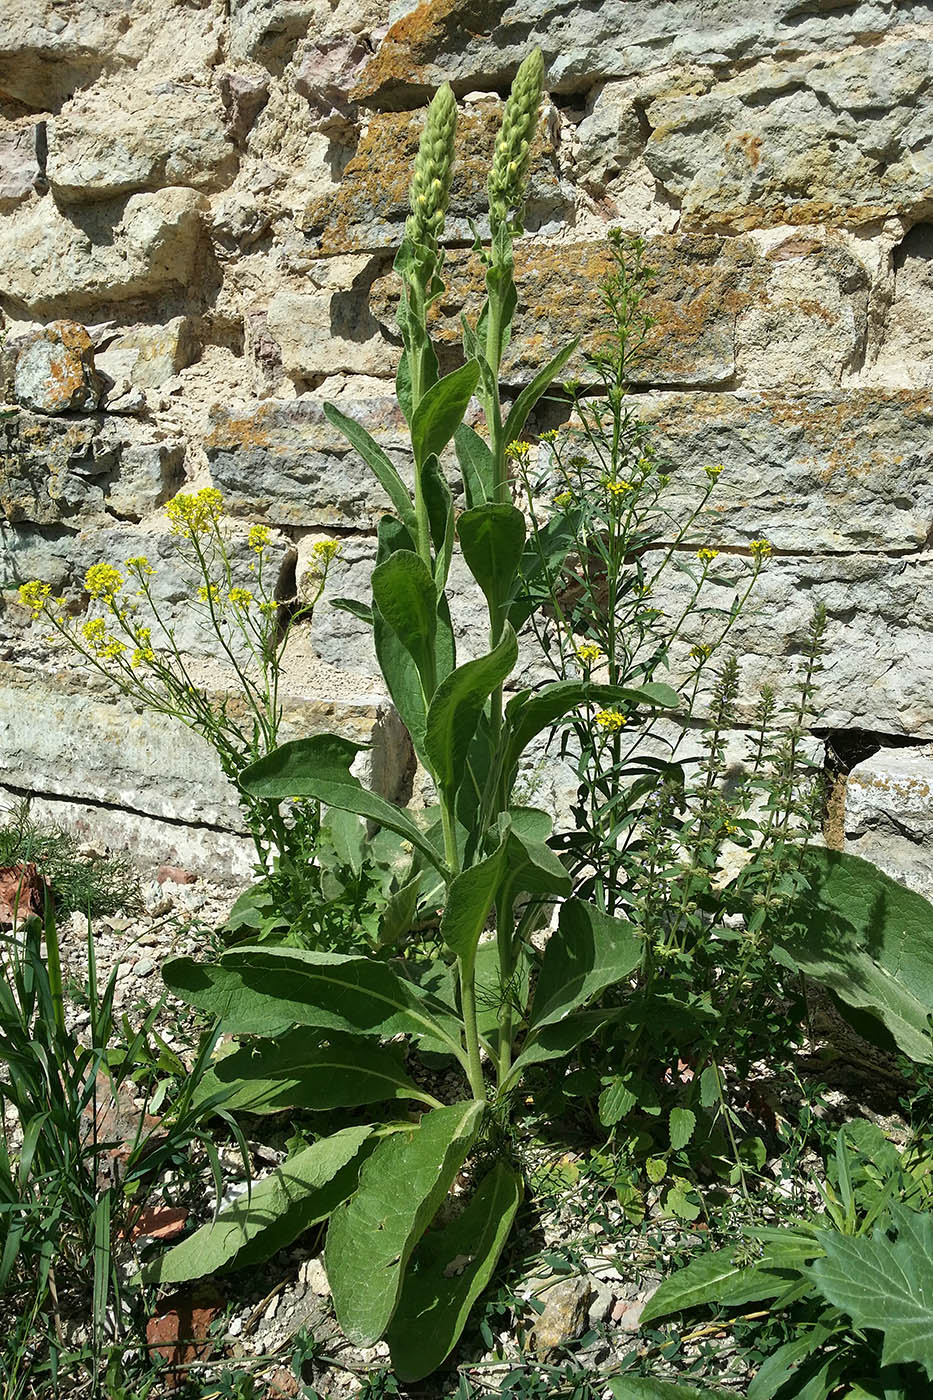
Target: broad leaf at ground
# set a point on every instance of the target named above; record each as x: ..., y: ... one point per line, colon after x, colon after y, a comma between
x: 298, y: 1194
x: 720, y: 1277
x: 588, y: 952
x: 306, y: 1069
x: 263, y: 991
x: 870, y: 940
x: 450, y: 1268
x: 647, y: 1388
x: 884, y: 1284
x: 371, y: 1238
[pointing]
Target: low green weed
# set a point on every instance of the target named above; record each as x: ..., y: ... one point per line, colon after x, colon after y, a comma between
x: 94, y: 885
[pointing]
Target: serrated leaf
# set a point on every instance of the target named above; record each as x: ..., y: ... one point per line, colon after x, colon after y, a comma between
x: 319, y: 767
x: 615, y: 1101
x: 870, y: 940
x: 681, y: 1126
x: 456, y: 708
x: 710, y: 1088
x: 264, y: 991
x: 280, y: 1207
x: 885, y: 1285
x: 450, y: 1269
x: 307, y: 1069
x: 588, y: 952
x: 370, y: 1239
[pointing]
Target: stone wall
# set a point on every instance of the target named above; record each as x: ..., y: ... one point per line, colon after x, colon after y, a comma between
x: 199, y: 206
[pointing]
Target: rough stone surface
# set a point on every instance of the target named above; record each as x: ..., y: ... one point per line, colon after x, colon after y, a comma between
x: 889, y: 814
x: 53, y: 369
x: 212, y: 194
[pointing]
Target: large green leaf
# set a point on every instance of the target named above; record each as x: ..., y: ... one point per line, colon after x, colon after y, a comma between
x: 450, y: 1268
x: 370, y: 1239
x: 264, y: 991
x: 870, y: 940
x: 492, y: 538
x: 532, y: 392
x: 377, y: 461
x: 404, y: 593
x: 647, y: 1388
x: 458, y: 703
x: 319, y: 767
x: 441, y: 411
x: 307, y: 1069
x: 476, y: 464
x: 530, y: 711
x: 303, y: 1191
x: 440, y: 507
x: 718, y: 1278
x: 588, y: 952
x: 553, y: 1041
x: 885, y: 1285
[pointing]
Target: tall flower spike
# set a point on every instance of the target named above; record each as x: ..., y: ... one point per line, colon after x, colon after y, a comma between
x: 430, y: 185
x: 512, y: 155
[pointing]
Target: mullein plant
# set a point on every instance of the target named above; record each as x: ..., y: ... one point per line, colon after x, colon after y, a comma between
x: 321, y: 1021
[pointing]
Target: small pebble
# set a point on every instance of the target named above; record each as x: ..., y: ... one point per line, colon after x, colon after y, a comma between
x: 144, y: 967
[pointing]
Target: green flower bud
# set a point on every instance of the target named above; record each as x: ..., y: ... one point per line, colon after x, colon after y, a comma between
x: 512, y: 155
x: 430, y: 185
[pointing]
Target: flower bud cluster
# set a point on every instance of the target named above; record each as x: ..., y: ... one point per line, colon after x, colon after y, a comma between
x: 512, y: 155
x: 430, y: 185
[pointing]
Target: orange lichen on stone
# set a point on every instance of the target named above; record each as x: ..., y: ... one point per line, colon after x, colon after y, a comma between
x: 401, y: 57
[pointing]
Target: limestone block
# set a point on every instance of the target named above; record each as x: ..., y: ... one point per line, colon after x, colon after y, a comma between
x: 268, y: 29
x: 171, y: 134
x: 839, y: 138
x: 438, y: 41
x: 712, y: 301
x: 244, y: 95
x: 878, y: 664
x: 837, y: 471
x: 285, y: 463
x: 904, y: 357
x: 19, y: 165
x: 369, y: 209
x: 889, y: 814
x: 53, y: 369
x: 328, y: 330
x: 56, y: 472
x: 144, y: 247
x: 148, y: 355
x: 327, y: 70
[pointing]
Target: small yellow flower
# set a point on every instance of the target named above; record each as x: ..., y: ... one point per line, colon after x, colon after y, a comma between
x: 142, y: 655
x: 324, y: 551
x: 663, y: 479
x: 269, y: 608
x: 706, y: 556
x: 209, y: 593
x: 563, y: 500
x: 616, y: 488
x: 714, y: 473
x: 610, y: 720
x: 139, y: 565
x: 240, y: 597
x: 103, y: 581
x: 258, y: 538
x: 589, y: 653
x: 94, y: 632
x: 702, y: 651
x: 761, y: 549
x: 551, y: 435
x: 518, y: 451
x: 193, y: 512
x: 34, y: 595
x: 113, y: 648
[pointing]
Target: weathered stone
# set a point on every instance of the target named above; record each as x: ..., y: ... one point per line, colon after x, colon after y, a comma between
x: 148, y: 355
x: 369, y: 209
x: 566, y: 1306
x: 904, y: 357
x: 839, y: 137
x: 327, y: 71
x: 819, y: 472
x: 19, y: 165
x: 441, y: 41
x: 878, y: 652
x: 54, y: 369
x: 268, y: 29
x: 712, y: 302
x: 54, y: 472
x: 244, y: 97
x: 143, y: 248
x: 889, y: 814
x: 329, y: 330
x: 284, y: 462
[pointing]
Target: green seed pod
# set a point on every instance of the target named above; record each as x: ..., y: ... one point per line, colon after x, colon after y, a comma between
x: 512, y: 155
x: 430, y: 185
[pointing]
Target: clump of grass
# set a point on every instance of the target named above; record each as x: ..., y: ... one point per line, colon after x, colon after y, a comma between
x: 95, y: 885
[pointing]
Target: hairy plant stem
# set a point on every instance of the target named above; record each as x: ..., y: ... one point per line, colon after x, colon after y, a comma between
x: 467, y: 975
